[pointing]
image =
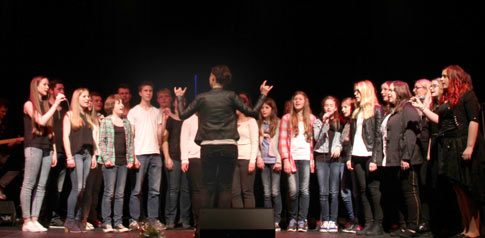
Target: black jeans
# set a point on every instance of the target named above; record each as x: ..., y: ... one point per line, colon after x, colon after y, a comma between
x: 195, y: 178
x: 218, y: 164
x: 55, y: 183
x: 369, y: 189
x: 91, y: 195
x: 243, y: 186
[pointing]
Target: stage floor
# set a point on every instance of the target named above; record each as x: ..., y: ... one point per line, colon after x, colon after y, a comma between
x: 98, y: 233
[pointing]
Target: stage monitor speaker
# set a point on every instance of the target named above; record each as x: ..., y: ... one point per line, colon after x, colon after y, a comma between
x: 235, y: 223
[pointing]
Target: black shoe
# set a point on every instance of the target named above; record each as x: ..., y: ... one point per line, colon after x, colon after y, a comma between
x: 367, y: 227
x: 409, y: 233
x: 376, y: 229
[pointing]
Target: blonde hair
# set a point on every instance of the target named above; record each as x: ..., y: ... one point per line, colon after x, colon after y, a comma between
x: 76, y: 111
x: 428, y: 101
x: 368, y: 99
x: 40, y: 105
x: 307, y: 111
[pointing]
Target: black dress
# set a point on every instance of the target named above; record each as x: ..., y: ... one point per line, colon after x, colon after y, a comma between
x: 452, y: 141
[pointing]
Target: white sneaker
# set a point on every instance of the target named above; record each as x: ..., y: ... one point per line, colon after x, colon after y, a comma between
x: 121, y: 228
x: 108, y: 228
x: 332, y: 227
x: 30, y: 227
x: 89, y: 226
x: 39, y: 226
x: 324, y: 227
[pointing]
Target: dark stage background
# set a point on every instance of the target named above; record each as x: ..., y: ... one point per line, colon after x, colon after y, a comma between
x: 320, y: 47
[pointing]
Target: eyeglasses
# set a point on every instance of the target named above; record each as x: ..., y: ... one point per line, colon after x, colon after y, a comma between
x: 418, y: 87
x: 434, y: 86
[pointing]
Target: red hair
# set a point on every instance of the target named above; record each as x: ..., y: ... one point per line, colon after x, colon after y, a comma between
x: 458, y: 84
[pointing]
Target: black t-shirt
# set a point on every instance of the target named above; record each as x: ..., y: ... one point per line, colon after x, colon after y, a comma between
x: 120, y: 145
x: 173, y: 128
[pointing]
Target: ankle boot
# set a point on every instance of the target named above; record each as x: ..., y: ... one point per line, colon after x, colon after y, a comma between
x: 376, y: 229
x: 368, y: 226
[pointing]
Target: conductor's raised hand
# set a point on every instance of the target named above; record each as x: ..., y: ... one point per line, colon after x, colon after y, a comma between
x: 178, y: 91
x: 265, y: 88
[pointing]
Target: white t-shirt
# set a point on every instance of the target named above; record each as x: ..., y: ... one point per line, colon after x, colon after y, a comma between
x: 247, y: 144
x: 146, y: 126
x: 359, y: 148
x: 384, y: 139
x: 300, y: 147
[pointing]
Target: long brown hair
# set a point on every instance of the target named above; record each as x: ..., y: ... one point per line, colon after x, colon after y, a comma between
x: 40, y: 104
x: 76, y: 110
x: 273, y: 118
x: 307, y: 111
x: 403, y: 94
x: 336, y: 117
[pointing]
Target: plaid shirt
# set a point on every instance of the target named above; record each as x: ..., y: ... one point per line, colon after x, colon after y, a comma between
x: 107, y: 141
x: 285, y: 142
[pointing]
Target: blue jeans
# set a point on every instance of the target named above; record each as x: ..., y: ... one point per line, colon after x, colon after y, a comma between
x: 114, y: 186
x: 37, y: 167
x: 299, y: 191
x: 271, y: 185
x: 177, y: 183
x: 151, y: 164
x: 78, y: 175
x: 346, y: 190
x: 328, y: 174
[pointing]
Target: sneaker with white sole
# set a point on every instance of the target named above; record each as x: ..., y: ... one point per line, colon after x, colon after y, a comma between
x: 324, y: 227
x: 121, y: 228
x: 89, y: 226
x: 108, y: 228
x: 30, y: 227
x: 39, y: 226
x: 292, y: 226
x: 332, y: 227
x: 302, y: 227
x: 134, y: 226
x: 277, y: 226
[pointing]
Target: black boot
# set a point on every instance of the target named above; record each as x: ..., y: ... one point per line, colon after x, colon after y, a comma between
x: 375, y: 230
x: 367, y: 227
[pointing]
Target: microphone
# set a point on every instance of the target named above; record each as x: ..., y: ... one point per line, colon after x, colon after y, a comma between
x: 421, y: 98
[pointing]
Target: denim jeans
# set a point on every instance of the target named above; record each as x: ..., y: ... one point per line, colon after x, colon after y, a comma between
x: 177, y: 183
x: 78, y: 175
x: 328, y: 174
x: 369, y: 186
x: 37, y: 167
x: 195, y: 176
x: 114, y: 186
x: 299, y: 191
x: 151, y: 164
x: 346, y: 190
x: 243, y: 186
x: 218, y: 164
x: 271, y: 186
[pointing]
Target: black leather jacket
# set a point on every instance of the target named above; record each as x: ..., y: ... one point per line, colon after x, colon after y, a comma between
x: 217, y: 113
x: 371, y: 135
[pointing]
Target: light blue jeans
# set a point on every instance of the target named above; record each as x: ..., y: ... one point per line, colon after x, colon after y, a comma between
x: 114, y: 186
x: 272, y: 195
x: 37, y: 167
x: 78, y: 175
x: 299, y: 191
